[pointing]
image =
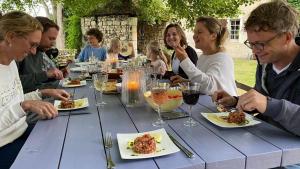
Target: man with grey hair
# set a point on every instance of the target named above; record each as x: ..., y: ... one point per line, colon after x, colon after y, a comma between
x: 271, y: 29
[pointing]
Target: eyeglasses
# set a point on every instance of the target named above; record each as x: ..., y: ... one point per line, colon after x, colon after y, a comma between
x: 32, y: 44
x: 260, y: 45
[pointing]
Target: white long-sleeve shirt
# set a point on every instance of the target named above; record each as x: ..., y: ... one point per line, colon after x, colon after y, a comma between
x: 12, y: 116
x: 214, y: 72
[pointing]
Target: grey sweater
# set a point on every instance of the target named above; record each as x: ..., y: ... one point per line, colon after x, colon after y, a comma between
x: 283, y: 91
x: 31, y: 74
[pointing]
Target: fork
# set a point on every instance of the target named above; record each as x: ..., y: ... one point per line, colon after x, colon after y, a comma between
x: 108, y: 145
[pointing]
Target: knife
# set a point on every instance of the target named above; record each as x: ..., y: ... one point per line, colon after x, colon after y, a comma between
x: 67, y: 114
x: 187, y: 152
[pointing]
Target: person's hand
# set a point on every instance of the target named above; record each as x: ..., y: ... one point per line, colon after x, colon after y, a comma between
x: 252, y: 100
x: 44, y: 110
x: 65, y: 72
x: 177, y: 79
x: 223, y: 98
x: 55, y: 73
x: 56, y: 93
x: 180, y: 53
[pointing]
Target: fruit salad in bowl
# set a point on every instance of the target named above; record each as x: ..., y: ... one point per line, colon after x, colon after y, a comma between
x: 173, y: 102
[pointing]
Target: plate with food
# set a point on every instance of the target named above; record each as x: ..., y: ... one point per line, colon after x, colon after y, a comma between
x: 74, y: 83
x: 231, y: 119
x: 71, y: 104
x: 110, y: 87
x: 155, y: 143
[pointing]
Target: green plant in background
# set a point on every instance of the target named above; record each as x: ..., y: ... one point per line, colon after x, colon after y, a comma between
x: 295, y: 3
x: 73, y: 32
x: 244, y: 71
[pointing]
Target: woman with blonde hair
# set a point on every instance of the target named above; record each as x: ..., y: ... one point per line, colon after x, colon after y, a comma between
x: 116, y: 50
x: 215, y: 68
x: 157, y: 58
x: 20, y: 34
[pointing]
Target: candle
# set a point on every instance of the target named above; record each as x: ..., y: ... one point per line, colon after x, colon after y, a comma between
x: 133, y: 85
x: 133, y: 92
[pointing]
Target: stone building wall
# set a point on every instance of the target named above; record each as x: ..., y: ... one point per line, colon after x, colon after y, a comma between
x: 147, y: 33
x: 114, y: 26
x: 126, y: 28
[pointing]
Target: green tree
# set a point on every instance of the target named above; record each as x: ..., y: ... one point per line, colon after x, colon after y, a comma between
x: 295, y: 3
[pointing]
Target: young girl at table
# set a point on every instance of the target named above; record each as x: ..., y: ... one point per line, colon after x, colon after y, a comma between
x: 20, y: 35
x: 116, y: 50
x: 157, y: 58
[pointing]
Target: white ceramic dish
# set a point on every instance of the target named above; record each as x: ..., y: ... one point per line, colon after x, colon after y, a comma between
x: 165, y: 147
x: 216, y: 119
x: 79, y: 104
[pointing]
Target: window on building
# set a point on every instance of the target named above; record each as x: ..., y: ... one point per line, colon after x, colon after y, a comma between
x: 235, y: 28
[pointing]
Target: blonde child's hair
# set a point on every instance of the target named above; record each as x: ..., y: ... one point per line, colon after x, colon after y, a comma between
x: 154, y: 48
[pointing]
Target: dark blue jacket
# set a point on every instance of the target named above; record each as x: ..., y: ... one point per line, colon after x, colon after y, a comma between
x: 283, y: 105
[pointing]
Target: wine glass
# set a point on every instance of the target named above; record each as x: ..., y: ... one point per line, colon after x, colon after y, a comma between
x: 160, y: 96
x: 190, y: 93
x: 100, y: 80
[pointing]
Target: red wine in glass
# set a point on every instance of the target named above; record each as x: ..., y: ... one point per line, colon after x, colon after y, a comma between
x: 190, y: 93
x: 190, y: 97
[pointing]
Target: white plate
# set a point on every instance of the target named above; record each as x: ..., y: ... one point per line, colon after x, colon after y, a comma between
x: 165, y: 147
x: 83, y: 63
x: 76, y: 69
x: 215, y: 119
x: 65, y: 84
x: 79, y: 104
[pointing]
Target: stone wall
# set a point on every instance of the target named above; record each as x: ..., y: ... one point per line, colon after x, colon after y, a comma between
x: 126, y: 28
x: 114, y: 26
x: 147, y: 33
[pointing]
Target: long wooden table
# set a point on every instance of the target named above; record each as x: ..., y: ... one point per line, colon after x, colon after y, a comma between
x: 76, y: 141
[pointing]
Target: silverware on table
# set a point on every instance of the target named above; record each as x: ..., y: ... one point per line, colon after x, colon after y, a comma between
x: 187, y: 152
x: 68, y: 114
x: 108, y: 145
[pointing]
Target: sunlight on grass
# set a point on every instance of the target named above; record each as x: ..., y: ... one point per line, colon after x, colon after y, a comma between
x: 245, y: 71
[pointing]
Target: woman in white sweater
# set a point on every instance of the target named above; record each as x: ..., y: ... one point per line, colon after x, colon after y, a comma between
x: 20, y: 34
x: 215, y: 69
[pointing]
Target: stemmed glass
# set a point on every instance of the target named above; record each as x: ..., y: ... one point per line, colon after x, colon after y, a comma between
x: 100, y: 80
x: 190, y: 93
x: 160, y: 96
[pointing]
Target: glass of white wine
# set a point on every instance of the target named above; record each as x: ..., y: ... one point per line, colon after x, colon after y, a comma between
x: 100, y: 80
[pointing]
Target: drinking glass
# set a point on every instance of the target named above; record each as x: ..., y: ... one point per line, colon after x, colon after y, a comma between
x: 160, y: 96
x: 100, y: 80
x: 190, y: 93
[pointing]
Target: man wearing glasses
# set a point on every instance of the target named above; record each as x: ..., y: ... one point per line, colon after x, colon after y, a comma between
x: 271, y: 29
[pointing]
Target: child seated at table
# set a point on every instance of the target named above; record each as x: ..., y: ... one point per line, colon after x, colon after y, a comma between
x: 122, y: 52
x: 157, y: 58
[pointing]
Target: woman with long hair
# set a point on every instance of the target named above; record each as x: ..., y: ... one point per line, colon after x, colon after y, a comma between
x: 215, y: 68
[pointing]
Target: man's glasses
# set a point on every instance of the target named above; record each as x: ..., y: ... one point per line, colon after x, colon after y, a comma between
x: 259, y: 45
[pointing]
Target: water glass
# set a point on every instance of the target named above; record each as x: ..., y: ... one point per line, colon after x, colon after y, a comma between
x: 99, y: 80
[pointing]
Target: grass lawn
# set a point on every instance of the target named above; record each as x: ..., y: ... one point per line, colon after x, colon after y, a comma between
x: 245, y: 71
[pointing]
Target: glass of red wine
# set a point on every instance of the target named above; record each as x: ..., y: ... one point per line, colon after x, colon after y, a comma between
x: 160, y: 96
x: 190, y: 93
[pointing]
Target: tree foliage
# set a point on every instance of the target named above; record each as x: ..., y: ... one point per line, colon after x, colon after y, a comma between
x: 146, y: 10
x: 295, y: 3
x: 73, y: 32
x: 191, y: 9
